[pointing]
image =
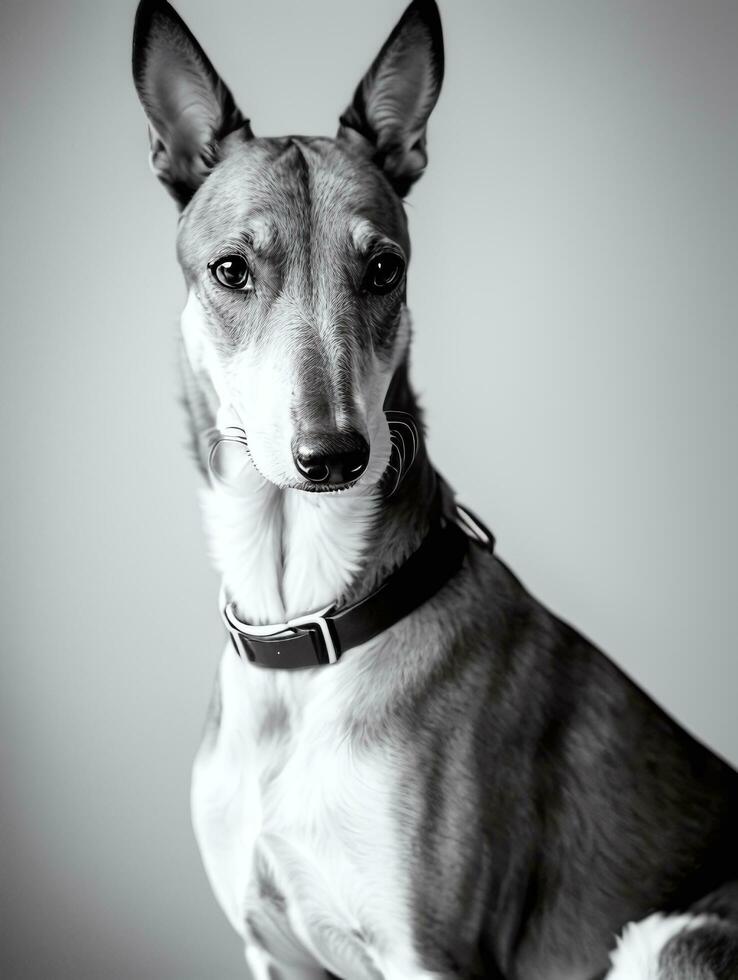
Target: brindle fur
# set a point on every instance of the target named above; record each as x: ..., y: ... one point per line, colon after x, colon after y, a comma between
x: 546, y: 801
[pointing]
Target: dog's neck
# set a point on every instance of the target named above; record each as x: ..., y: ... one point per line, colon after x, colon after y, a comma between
x: 283, y: 553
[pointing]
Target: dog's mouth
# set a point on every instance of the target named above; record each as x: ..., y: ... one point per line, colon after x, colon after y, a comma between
x: 317, y: 488
x: 229, y: 457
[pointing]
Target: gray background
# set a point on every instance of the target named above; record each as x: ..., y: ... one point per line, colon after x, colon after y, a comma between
x: 574, y: 292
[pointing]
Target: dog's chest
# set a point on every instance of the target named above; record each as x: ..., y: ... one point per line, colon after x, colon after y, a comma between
x: 296, y: 819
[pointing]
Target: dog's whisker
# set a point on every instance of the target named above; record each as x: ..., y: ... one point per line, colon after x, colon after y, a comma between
x: 411, y: 428
x: 396, y: 466
x: 404, y: 422
x: 397, y: 483
x: 399, y: 445
x: 401, y: 435
x: 412, y: 451
x: 392, y: 412
x: 395, y: 469
x: 393, y: 453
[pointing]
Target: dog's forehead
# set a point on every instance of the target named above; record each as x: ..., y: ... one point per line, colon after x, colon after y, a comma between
x: 281, y: 192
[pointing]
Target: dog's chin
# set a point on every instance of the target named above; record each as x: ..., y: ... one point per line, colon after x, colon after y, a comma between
x: 287, y: 482
x: 317, y: 488
x: 366, y: 485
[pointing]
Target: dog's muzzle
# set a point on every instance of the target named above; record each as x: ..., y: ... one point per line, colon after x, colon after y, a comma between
x: 326, y: 461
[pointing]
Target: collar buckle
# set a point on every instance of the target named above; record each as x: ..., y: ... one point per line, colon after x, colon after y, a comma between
x: 318, y: 620
x: 261, y: 644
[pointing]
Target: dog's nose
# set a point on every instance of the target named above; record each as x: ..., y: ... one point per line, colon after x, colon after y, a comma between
x: 331, y: 458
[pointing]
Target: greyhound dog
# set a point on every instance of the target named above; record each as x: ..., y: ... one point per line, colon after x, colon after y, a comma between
x: 411, y: 768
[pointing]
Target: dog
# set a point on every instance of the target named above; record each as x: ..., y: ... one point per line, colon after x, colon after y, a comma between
x: 411, y: 769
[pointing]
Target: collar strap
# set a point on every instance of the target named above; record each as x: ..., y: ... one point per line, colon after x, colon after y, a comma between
x: 322, y: 637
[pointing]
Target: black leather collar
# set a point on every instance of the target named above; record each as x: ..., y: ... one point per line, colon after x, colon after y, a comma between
x: 322, y: 637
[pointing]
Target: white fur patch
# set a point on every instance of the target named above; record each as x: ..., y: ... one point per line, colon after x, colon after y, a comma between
x: 312, y: 808
x: 636, y: 955
x: 285, y: 553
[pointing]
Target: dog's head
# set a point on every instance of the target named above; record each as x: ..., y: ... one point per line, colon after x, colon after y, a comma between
x: 294, y: 249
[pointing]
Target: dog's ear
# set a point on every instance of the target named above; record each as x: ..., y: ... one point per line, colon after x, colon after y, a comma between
x: 391, y: 106
x: 188, y: 106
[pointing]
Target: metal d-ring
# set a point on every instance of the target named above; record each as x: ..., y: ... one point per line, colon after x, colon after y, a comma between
x: 473, y: 527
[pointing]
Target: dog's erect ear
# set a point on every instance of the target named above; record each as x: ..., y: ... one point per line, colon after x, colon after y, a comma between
x: 394, y: 99
x: 188, y: 106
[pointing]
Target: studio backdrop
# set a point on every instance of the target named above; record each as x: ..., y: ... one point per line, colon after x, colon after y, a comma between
x: 574, y: 292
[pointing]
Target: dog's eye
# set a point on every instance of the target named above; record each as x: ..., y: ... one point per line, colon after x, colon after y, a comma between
x: 232, y: 272
x: 384, y: 272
